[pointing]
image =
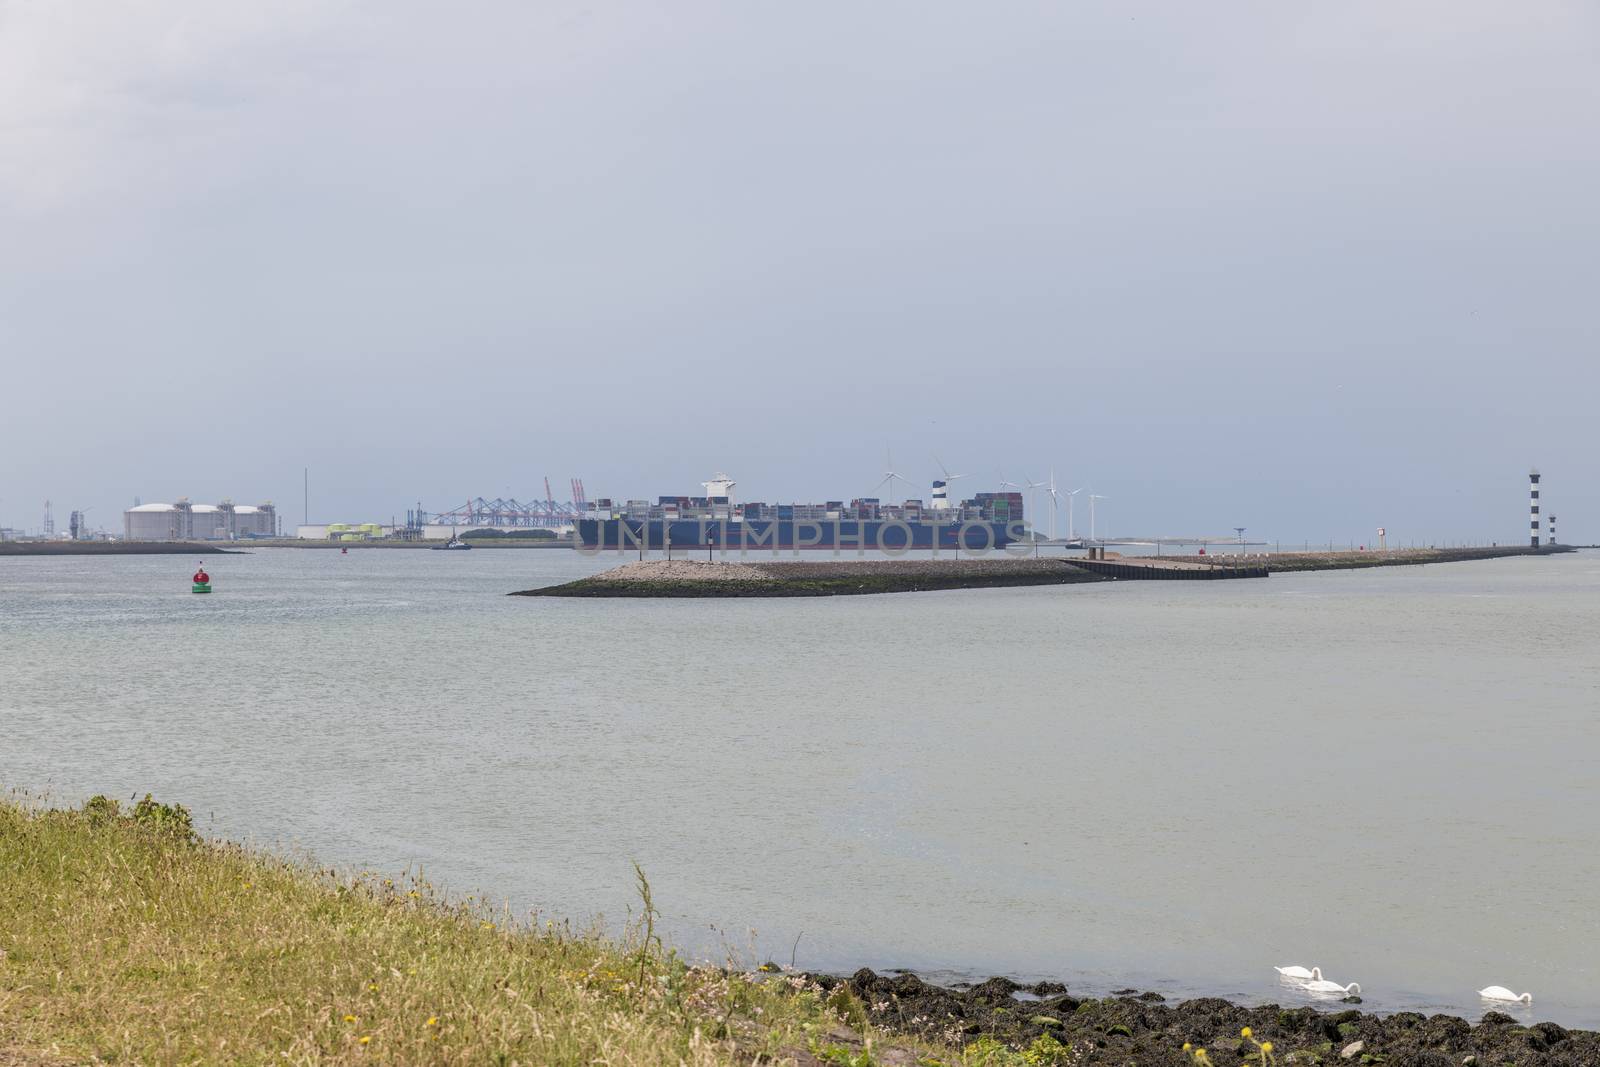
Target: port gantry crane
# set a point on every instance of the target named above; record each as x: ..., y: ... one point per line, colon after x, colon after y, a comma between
x: 508, y: 512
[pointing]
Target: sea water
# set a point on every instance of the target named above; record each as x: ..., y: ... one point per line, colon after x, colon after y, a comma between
x: 1393, y: 773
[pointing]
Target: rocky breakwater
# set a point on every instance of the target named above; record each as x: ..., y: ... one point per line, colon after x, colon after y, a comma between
x: 685, y: 578
x: 1047, y: 1022
x: 1340, y: 561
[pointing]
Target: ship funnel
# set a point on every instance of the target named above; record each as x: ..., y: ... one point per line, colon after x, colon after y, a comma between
x: 941, y: 494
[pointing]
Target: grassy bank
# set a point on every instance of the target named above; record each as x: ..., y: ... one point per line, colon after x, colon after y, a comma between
x: 123, y: 939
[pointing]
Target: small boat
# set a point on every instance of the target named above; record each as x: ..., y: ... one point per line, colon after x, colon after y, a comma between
x: 455, y: 543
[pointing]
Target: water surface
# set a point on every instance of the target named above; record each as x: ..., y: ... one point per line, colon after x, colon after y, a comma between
x: 1391, y: 773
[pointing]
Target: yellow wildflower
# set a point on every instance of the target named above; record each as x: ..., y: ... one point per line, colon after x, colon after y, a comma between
x: 433, y: 1020
x: 366, y: 1039
x: 1245, y: 1032
x: 373, y: 988
x: 1266, y: 1046
x: 349, y: 1018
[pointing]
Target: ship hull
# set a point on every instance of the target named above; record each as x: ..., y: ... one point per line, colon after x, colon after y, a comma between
x: 772, y: 535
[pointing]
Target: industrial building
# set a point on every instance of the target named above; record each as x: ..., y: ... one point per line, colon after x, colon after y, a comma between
x: 185, y: 521
x: 346, y: 531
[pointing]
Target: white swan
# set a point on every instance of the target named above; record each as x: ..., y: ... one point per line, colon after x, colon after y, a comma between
x: 1322, y: 985
x: 1299, y: 973
x: 1500, y: 992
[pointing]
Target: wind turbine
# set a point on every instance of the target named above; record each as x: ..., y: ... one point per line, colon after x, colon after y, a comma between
x: 891, y: 475
x: 948, y: 477
x: 1055, y: 503
x: 1029, y: 489
x: 1092, y: 498
x: 1072, y: 526
x: 941, y: 489
x: 1008, y: 485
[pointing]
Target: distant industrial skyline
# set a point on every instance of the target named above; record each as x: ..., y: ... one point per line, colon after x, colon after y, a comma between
x: 1309, y: 271
x: 1039, y: 517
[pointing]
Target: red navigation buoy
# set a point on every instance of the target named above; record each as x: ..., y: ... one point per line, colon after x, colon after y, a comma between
x: 202, y: 580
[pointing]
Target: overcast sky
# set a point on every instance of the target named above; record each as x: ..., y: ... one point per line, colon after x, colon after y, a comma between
x: 1309, y: 269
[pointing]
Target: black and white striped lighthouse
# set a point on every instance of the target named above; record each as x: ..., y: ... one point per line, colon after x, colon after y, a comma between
x: 1533, y: 505
x: 1552, y: 531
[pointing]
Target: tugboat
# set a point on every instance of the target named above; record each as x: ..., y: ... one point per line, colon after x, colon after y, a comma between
x: 202, y: 580
x: 454, y: 544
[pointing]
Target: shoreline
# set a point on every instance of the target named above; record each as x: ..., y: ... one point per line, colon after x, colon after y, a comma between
x: 1359, y: 560
x: 1130, y: 1026
x: 760, y: 577
x: 121, y: 548
x: 475, y: 542
x: 238, y: 548
x: 280, y: 954
x: 693, y: 579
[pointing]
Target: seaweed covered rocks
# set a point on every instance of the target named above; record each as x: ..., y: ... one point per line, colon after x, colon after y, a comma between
x: 1142, y: 1029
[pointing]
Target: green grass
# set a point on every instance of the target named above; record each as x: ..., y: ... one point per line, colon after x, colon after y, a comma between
x: 126, y: 939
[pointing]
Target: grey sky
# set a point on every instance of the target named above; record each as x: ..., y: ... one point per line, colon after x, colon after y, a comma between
x: 1306, y: 268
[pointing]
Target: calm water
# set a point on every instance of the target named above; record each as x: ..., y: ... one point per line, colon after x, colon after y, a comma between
x: 1391, y: 773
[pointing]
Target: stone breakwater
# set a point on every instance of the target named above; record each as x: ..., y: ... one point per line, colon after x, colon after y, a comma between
x: 1130, y: 1027
x: 1339, y: 561
x: 685, y: 578
x: 755, y: 578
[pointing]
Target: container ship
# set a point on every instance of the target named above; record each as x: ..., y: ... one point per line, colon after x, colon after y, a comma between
x: 986, y: 521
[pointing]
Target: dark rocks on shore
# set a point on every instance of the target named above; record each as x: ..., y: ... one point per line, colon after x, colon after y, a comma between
x: 1140, y: 1028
